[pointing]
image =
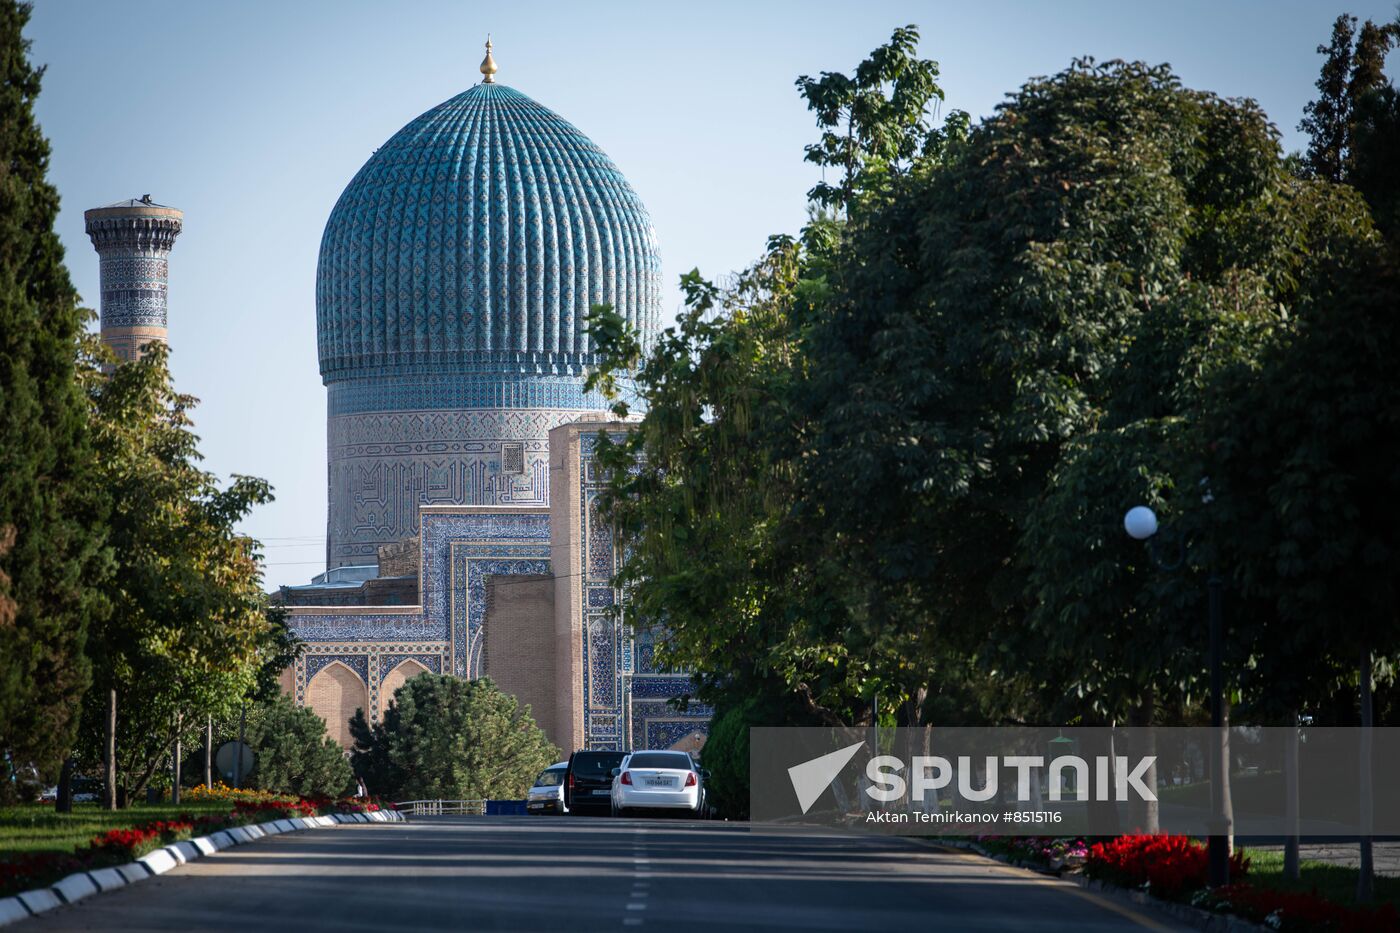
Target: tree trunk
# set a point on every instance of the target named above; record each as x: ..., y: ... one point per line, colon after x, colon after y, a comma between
x: 175, y: 776
x: 64, y: 803
x: 1365, y: 880
x: 912, y: 742
x: 238, y: 752
x: 1291, y: 867
x: 209, y: 753
x: 1227, y: 805
x: 1102, y: 814
x: 1147, y: 813
x: 109, y: 753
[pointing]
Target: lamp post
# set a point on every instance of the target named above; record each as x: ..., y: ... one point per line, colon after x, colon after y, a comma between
x: 1141, y: 524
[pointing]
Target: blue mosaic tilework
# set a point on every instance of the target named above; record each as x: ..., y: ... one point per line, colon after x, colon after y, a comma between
x: 134, y: 268
x: 352, y: 626
x: 387, y: 662
x: 461, y: 389
x: 385, y: 466
x: 359, y: 663
x: 442, y: 530
x: 606, y: 648
x: 480, y: 234
x: 661, y: 688
x: 454, y: 598
x: 469, y: 602
x: 660, y: 725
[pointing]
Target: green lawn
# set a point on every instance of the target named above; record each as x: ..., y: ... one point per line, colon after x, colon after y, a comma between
x: 37, y: 828
x: 1334, y: 882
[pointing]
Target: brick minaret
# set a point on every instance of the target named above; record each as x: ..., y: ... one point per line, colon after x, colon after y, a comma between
x: 133, y: 239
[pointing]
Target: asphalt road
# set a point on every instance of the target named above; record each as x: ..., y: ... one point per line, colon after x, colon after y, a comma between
x: 542, y: 873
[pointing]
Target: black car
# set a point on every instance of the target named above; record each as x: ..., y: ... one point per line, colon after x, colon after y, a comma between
x: 588, y: 782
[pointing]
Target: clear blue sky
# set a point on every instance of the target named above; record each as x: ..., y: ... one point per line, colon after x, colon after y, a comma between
x: 252, y: 116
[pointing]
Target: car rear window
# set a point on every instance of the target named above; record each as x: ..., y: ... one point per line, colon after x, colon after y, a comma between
x: 596, y: 764
x: 678, y: 760
x: 550, y: 777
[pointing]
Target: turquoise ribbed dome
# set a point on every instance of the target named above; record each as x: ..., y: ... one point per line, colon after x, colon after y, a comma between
x: 475, y: 240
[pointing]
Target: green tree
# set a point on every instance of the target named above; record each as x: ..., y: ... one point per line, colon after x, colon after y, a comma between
x: 292, y: 752
x: 188, y: 633
x: 447, y: 738
x: 51, y: 570
x: 1304, y: 457
x: 1021, y: 347
x: 1353, y: 69
x: 875, y: 121
x: 706, y: 493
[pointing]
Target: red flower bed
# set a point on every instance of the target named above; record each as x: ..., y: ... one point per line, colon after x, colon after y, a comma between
x: 137, y: 841
x: 274, y: 810
x: 1170, y: 867
x: 23, y: 872
x: 1288, y: 911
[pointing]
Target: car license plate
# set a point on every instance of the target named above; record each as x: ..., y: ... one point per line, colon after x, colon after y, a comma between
x: 600, y: 793
x: 658, y: 782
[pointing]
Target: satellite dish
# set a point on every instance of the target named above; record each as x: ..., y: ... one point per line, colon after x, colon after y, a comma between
x: 234, y: 760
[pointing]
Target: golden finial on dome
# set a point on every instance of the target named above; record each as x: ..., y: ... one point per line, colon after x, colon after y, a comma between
x: 488, y: 65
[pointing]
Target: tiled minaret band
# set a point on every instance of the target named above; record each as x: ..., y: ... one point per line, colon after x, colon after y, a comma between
x: 133, y: 239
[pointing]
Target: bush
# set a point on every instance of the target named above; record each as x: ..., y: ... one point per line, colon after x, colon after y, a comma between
x: 1169, y: 867
x: 446, y: 738
x: 726, y: 757
x: 292, y: 754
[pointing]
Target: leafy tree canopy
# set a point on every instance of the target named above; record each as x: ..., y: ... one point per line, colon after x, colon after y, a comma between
x: 189, y: 631
x: 447, y: 738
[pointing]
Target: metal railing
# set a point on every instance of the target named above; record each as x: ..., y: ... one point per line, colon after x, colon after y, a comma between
x: 443, y: 807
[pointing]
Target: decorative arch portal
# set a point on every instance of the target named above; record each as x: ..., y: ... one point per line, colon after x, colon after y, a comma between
x: 396, y: 678
x: 335, y: 693
x: 692, y: 743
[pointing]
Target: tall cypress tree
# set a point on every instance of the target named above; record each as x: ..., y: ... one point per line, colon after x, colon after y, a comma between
x: 1351, y: 74
x: 45, y: 504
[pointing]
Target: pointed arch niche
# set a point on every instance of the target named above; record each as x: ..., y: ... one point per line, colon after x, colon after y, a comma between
x: 395, y: 679
x: 335, y: 693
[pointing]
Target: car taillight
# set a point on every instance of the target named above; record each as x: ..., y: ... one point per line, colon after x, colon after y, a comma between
x: 627, y: 778
x: 690, y: 779
x: 571, y: 780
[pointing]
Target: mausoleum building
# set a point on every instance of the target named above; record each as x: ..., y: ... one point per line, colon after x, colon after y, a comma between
x: 455, y: 274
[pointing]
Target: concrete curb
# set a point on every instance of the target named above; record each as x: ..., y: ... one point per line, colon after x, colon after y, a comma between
x: 159, y: 861
x: 1184, y: 913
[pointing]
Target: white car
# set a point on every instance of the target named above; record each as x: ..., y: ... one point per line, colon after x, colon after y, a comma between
x: 658, y: 780
x: 547, y: 796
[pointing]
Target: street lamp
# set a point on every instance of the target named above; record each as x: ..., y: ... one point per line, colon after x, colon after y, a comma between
x: 1141, y: 524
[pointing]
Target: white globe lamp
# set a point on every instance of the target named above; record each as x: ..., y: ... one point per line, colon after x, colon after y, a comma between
x: 1140, y: 522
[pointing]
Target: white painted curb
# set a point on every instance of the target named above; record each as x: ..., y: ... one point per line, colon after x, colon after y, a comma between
x: 11, y: 910
x: 108, y: 879
x: 84, y: 884
x: 76, y: 887
x: 39, y: 900
x: 160, y: 861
